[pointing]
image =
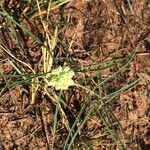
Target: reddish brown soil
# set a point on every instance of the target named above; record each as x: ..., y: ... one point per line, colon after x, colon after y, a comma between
x: 99, y: 28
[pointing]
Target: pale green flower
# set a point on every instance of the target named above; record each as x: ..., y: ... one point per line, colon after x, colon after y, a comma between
x: 60, y: 78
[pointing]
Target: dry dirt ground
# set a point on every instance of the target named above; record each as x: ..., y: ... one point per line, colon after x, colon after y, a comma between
x: 102, y: 29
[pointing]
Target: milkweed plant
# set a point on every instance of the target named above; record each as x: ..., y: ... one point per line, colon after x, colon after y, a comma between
x: 60, y: 78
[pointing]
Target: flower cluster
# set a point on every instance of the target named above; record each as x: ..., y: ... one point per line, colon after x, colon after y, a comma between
x: 60, y: 78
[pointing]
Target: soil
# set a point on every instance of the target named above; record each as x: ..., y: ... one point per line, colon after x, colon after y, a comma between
x: 101, y: 30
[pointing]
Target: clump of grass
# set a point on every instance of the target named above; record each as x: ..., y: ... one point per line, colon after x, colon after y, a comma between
x: 48, y: 81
